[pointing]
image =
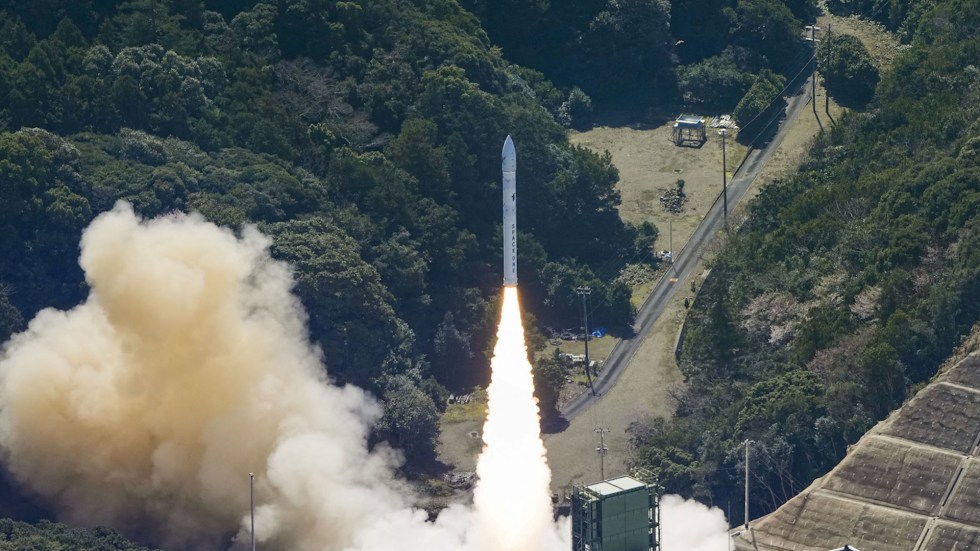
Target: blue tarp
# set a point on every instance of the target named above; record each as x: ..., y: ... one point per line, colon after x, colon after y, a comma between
x: 599, y: 332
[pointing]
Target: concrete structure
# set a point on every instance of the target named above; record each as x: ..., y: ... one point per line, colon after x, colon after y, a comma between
x: 620, y: 514
x: 911, y: 484
x: 689, y: 128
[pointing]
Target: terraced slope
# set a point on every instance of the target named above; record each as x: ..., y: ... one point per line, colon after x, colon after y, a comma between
x: 911, y: 484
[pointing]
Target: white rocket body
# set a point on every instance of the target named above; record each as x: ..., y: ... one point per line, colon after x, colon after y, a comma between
x: 509, y: 168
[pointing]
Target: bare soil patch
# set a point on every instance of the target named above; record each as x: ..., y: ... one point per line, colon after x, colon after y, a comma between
x: 461, y: 431
x: 649, y: 163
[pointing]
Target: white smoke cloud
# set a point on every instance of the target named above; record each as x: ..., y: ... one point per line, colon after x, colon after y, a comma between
x: 687, y: 525
x: 189, y: 366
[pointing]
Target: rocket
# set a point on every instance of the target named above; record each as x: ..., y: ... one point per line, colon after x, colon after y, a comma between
x: 509, y: 168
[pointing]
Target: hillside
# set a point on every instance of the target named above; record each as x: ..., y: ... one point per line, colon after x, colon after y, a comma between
x: 909, y: 484
x: 368, y: 151
x: 847, y: 286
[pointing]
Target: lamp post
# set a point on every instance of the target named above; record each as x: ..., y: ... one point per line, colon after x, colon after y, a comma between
x: 747, y: 442
x: 251, y: 506
x: 813, y: 75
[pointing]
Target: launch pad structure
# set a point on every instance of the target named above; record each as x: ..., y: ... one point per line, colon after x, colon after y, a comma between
x: 619, y: 514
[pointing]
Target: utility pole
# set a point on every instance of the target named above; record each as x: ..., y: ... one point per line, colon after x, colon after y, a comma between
x: 826, y: 96
x: 813, y: 75
x: 747, y: 442
x: 602, y: 450
x: 724, y: 174
x: 251, y: 506
x: 584, y: 292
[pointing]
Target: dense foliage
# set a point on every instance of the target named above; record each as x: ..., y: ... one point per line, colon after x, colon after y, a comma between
x: 696, y: 52
x: 369, y: 151
x: 901, y: 16
x: 761, y: 103
x: 47, y: 536
x: 844, y: 290
x: 849, y: 74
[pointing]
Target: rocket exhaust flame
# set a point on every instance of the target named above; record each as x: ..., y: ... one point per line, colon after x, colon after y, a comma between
x: 512, y: 499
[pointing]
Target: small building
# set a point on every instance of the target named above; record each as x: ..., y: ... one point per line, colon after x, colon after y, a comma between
x: 621, y: 514
x: 689, y: 129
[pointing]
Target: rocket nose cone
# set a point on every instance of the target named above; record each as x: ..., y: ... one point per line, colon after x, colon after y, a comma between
x: 509, y: 155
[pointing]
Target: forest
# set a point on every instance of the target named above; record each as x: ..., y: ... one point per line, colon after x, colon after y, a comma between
x: 364, y: 138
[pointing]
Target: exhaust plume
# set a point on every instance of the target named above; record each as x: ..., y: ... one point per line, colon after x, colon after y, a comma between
x: 513, y: 499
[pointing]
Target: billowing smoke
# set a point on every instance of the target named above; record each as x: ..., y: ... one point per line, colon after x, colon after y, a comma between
x: 688, y: 525
x: 189, y: 366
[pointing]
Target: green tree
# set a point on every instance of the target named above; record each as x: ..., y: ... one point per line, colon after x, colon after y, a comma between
x: 627, y: 43
x: 884, y: 377
x: 255, y: 30
x: 15, y: 39
x: 140, y: 22
x: 415, y: 150
x: 769, y: 27
x: 717, y: 82
x: 760, y: 104
x: 45, y: 209
x: 550, y: 374
x: 676, y: 468
x: 848, y: 71
x: 11, y: 319
x: 790, y: 400
x: 576, y: 111
x: 350, y: 309
x: 410, y: 420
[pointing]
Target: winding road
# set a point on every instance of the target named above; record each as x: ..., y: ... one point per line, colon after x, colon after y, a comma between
x: 685, y: 261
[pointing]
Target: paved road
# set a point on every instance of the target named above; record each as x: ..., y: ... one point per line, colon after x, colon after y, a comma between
x: 685, y: 262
